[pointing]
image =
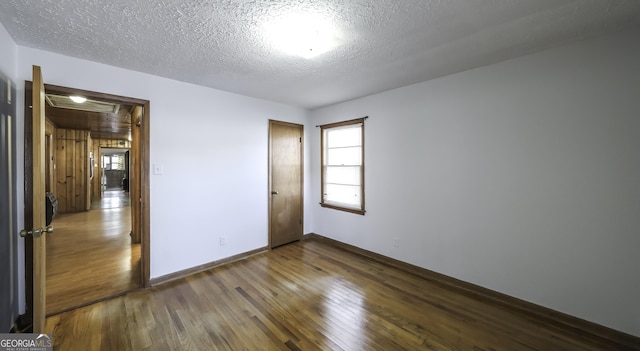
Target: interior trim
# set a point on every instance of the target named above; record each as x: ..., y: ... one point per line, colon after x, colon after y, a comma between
x: 203, y: 267
x: 617, y: 339
x: 145, y: 192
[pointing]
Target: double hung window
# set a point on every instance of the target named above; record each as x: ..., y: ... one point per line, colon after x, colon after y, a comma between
x: 343, y: 166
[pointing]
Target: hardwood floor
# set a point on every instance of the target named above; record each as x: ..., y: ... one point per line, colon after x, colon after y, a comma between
x: 112, y: 198
x: 90, y: 256
x: 306, y: 296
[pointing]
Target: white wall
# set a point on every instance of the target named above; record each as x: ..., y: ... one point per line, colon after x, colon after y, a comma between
x: 9, y: 52
x: 522, y: 177
x: 212, y: 146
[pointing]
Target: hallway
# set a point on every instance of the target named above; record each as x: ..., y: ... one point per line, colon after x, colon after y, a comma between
x: 90, y: 256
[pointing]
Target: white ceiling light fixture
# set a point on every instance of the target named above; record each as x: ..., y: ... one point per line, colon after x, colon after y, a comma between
x: 78, y: 99
x: 302, y: 34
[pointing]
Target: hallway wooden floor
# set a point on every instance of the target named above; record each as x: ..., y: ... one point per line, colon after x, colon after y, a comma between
x: 90, y: 256
x: 306, y: 296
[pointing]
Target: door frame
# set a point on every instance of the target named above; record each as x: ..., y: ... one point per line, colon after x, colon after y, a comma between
x: 144, y: 145
x: 270, y: 178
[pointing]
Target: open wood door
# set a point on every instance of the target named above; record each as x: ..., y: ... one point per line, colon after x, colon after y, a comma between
x: 36, y: 228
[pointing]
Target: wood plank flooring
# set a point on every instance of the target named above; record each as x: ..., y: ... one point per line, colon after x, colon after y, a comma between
x: 112, y: 198
x: 90, y: 256
x: 305, y: 296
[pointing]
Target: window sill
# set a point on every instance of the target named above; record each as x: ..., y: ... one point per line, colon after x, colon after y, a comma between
x: 345, y: 209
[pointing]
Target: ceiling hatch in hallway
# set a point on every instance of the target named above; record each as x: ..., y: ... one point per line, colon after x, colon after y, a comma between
x: 89, y: 105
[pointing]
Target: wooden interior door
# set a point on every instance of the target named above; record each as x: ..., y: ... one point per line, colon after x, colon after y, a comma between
x: 38, y: 201
x: 285, y: 183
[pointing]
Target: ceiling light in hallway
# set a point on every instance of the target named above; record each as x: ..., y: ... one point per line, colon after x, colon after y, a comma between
x: 77, y: 99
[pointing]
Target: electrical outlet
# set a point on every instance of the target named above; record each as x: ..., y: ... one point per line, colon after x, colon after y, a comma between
x: 223, y: 241
x: 396, y: 242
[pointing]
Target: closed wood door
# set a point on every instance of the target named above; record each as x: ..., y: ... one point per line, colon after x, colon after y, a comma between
x: 286, y: 180
x: 38, y: 201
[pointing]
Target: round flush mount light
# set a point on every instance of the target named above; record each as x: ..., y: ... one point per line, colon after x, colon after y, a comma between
x: 302, y: 34
x: 77, y: 99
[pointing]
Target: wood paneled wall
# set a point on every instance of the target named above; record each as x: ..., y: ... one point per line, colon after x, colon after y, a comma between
x: 87, y: 163
x: 72, y: 170
x: 96, y: 186
x: 50, y: 155
x: 114, y: 143
x: 135, y: 172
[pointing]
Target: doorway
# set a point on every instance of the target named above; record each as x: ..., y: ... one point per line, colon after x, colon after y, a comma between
x: 86, y: 240
x: 286, y: 178
x: 114, y: 176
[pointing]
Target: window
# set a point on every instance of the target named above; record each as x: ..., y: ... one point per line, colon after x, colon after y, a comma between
x: 343, y: 166
x: 117, y: 162
x: 113, y: 162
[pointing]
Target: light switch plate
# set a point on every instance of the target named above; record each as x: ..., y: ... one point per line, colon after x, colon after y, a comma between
x: 158, y: 169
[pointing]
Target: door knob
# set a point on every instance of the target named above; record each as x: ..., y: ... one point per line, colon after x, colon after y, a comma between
x: 36, y: 233
x: 274, y: 193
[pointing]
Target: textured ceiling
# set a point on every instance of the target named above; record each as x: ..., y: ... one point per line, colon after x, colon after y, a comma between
x: 384, y: 43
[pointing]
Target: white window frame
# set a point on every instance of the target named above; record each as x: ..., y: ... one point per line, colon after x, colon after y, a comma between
x: 355, y: 207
